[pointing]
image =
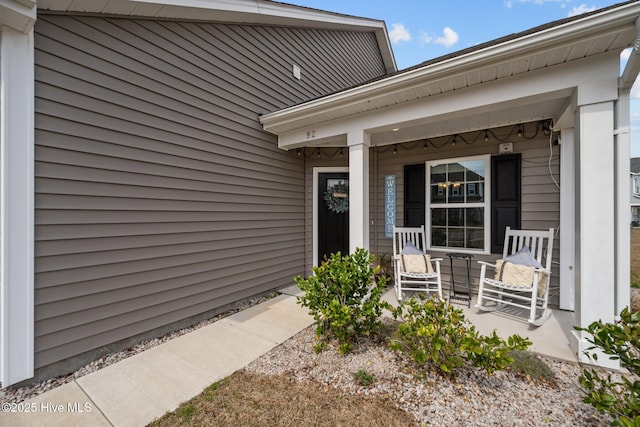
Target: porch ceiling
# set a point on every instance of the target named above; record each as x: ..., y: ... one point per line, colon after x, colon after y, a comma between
x: 611, y: 30
x: 534, y: 109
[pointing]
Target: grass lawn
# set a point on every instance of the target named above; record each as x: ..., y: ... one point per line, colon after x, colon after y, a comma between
x: 250, y: 400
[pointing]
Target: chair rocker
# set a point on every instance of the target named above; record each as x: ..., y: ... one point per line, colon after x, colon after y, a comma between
x: 522, y: 275
x: 415, y: 271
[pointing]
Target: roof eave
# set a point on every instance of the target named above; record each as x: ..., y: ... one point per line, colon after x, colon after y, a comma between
x: 561, y: 34
x: 258, y: 12
x: 19, y: 15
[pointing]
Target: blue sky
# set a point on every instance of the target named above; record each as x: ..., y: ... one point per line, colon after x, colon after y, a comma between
x: 424, y: 29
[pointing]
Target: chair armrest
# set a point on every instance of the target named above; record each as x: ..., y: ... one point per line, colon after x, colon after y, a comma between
x: 486, y: 263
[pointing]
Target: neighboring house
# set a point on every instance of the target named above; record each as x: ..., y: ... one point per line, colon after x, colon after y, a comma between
x: 635, y: 191
x: 191, y: 154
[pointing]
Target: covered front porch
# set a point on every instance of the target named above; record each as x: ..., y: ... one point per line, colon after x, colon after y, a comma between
x: 553, y: 94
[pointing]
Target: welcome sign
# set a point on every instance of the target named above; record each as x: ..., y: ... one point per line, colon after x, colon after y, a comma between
x: 389, y: 204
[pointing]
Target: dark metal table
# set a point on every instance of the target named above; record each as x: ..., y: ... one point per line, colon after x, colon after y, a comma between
x: 455, y: 293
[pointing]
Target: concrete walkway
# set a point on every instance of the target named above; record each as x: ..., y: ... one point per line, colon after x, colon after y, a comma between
x: 135, y: 391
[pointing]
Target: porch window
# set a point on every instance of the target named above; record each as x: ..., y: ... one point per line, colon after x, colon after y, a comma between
x: 458, y: 215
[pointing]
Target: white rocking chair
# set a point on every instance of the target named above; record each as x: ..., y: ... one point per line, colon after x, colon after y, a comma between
x: 414, y: 270
x: 533, y: 295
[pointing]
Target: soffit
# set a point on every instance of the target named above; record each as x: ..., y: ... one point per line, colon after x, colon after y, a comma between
x: 516, y: 112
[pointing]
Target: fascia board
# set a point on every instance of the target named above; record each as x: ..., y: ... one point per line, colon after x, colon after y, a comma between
x: 382, y: 36
x: 631, y: 70
x: 564, y: 34
x: 254, y: 11
x: 18, y: 15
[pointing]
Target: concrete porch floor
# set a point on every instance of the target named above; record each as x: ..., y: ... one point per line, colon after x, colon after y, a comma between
x: 552, y: 339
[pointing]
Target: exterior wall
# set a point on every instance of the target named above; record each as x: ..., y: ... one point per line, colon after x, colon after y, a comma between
x: 540, y: 196
x: 159, y: 198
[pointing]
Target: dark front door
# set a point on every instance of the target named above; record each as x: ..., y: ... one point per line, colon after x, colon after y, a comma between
x: 333, y: 214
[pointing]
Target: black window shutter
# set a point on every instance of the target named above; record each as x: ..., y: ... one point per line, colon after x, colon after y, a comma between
x: 414, y: 181
x: 505, y: 197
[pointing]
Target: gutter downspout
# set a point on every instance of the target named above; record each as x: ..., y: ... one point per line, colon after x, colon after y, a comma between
x: 622, y: 166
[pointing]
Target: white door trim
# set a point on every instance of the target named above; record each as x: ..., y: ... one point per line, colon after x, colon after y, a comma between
x: 316, y: 173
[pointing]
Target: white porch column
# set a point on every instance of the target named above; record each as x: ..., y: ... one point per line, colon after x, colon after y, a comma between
x: 358, y: 143
x: 622, y: 202
x: 567, y: 218
x: 595, y: 220
x: 16, y: 190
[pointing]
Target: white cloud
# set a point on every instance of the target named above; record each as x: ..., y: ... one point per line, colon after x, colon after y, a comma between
x: 425, y: 38
x: 448, y: 38
x: 579, y: 10
x: 399, y: 33
x: 509, y: 4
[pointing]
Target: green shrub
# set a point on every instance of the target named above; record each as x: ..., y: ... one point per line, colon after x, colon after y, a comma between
x: 343, y: 298
x: 531, y: 366
x: 436, y: 335
x: 621, y: 341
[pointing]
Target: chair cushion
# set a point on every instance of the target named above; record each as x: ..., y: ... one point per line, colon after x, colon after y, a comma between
x: 414, y: 263
x: 411, y: 249
x: 524, y: 257
x: 519, y: 275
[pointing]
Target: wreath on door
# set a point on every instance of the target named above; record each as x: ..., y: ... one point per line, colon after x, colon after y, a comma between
x: 337, y: 198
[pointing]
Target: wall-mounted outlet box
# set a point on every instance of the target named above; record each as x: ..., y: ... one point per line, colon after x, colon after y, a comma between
x: 296, y: 72
x: 505, y: 147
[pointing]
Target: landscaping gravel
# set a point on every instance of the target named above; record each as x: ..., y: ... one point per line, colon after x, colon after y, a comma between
x: 472, y: 399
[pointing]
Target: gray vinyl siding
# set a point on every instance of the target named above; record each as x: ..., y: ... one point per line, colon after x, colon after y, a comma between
x: 158, y: 195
